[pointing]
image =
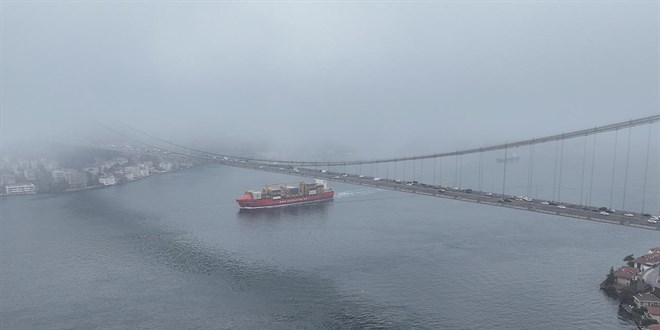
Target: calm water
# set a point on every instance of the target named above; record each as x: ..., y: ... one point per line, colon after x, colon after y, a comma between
x: 173, y: 251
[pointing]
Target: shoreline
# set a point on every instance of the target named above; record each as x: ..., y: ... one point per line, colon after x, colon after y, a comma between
x: 89, y: 188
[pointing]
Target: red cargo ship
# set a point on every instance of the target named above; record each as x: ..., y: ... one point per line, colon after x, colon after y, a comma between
x: 277, y: 195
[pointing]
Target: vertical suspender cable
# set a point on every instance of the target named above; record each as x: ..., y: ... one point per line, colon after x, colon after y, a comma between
x: 658, y: 168
x: 593, y: 164
x: 646, y: 171
x: 414, y: 169
x: 434, y: 169
x: 481, y: 168
x: 504, y: 175
x: 584, y: 163
x: 616, y: 141
x: 456, y: 172
x: 440, y: 174
x: 395, y: 164
x: 625, y: 175
x: 460, y: 171
x: 554, y: 175
x: 561, y: 166
x: 531, y: 171
x: 421, y: 176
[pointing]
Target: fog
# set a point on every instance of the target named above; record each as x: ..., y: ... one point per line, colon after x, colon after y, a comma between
x: 367, y: 79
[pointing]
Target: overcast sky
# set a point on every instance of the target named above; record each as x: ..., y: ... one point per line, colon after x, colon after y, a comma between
x: 390, y: 77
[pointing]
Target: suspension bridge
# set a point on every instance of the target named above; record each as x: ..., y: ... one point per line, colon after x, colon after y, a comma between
x: 585, y: 174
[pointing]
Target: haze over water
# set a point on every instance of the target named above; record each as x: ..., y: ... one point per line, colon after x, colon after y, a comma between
x: 173, y: 251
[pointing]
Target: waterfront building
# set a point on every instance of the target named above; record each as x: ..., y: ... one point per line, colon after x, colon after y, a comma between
x: 132, y: 172
x: 107, y: 180
x: 58, y: 175
x: 144, y: 169
x: 650, y: 302
x: 129, y: 176
x: 626, y: 275
x: 21, y: 189
x: 48, y: 164
x: 166, y: 166
x: 30, y: 174
x: 108, y: 165
x: 91, y: 170
x: 654, y: 312
x: 646, y: 300
x: 8, y: 179
x: 16, y: 169
x: 647, y: 261
x: 76, y: 179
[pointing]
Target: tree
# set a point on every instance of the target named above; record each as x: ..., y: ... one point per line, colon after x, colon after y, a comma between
x: 647, y: 322
x: 629, y: 257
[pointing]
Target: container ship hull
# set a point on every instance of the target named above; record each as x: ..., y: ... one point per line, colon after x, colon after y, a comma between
x: 247, y: 203
x: 288, y: 194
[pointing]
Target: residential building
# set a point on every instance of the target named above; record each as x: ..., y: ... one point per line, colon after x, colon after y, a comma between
x: 646, y: 261
x: 21, y: 189
x: 91, y: 170
x: 646, y: 300
x: 654, y: 312
x: 107, y: 180
x: 625, y: 275
x: 30, y: 174
x: 8, y: 179
x: 76, y: 179
x: 58, y: 175
x: 166, y: 166
x: 49, y: 165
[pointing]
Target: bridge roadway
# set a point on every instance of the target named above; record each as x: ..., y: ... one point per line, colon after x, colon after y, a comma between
x: 480, y: 197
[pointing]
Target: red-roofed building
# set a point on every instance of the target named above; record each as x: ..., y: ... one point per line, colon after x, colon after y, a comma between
x: 655, y: 249
x: 646, y: 261
x: 625, y: 275
x: 654, y: 312
x: 653, y: 327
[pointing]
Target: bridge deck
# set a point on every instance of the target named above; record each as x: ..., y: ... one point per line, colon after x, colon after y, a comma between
x: 480, y: 197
